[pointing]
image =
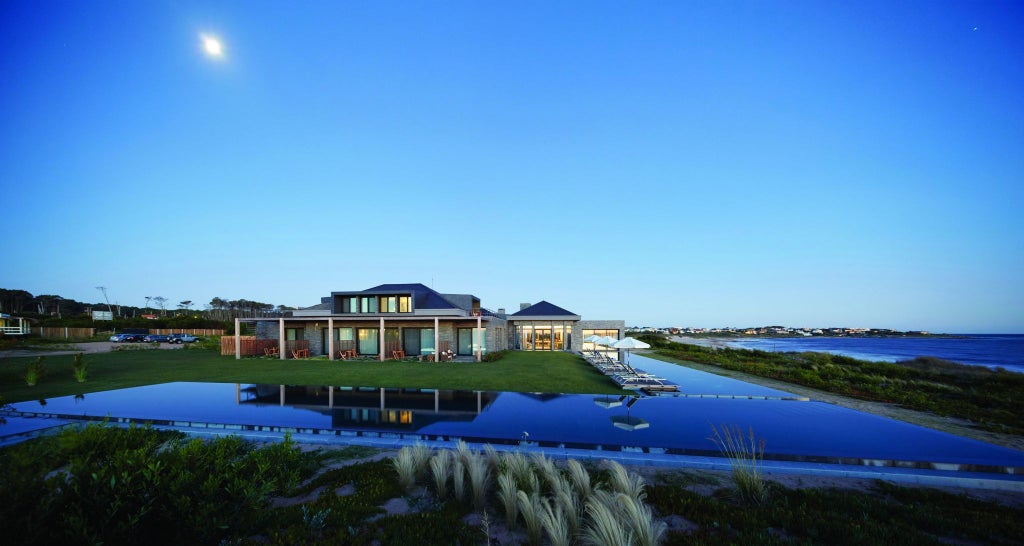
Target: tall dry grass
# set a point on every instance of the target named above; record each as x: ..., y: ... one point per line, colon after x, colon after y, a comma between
x: 554, y: 522
x: 479, y: 472
x: 440, y: 470
x: 603, y: 527
x: 625, y: 482
x: 745, y: 453
x: 458, y: 479
x: 405, y: 465
x: 530, y: 509
x: 507, y: 492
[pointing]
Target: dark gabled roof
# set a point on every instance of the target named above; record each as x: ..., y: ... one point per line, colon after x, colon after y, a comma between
x: 424, y: 297
x: 543, y: 309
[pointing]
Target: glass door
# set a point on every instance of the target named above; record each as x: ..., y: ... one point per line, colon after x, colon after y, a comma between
x: 542, y: 337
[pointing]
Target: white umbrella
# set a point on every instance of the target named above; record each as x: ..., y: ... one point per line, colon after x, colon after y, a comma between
x: 630, y: 343
x: 592, y: 338
x: 626, y: 422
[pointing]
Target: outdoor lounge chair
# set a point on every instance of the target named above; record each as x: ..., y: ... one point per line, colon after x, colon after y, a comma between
x: 300, y: 353
x: 398, y: 355
x: 270, y: 351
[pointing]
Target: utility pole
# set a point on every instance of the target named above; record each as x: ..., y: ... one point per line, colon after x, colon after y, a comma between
x: 104, y: 290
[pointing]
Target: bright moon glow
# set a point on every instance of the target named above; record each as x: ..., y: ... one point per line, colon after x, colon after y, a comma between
x: 212, y: 46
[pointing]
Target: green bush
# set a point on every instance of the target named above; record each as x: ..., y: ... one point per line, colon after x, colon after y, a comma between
x: 80, y: 367
x: 35, y: 372
x: 139, y: 485
x: 495, y: 356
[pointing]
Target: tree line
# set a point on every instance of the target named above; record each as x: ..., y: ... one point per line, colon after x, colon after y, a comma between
x: 51, y: 306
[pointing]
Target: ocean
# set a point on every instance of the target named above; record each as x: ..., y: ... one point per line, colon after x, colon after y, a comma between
x: 991, y: 350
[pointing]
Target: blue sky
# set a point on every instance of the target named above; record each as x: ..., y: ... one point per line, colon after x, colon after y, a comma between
x: 667, y: 163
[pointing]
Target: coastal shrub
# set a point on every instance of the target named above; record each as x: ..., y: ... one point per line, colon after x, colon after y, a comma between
x: 80, y: 367
x: 103, y: 484
x: 35, y: 372
x: 494, y: 356
x: 745, y: 453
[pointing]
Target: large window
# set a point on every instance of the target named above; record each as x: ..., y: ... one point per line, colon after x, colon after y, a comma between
x: 590, y: 347
x: 468, y: 340
x: 544, y: 336
x: 368, y: 341
x: 293, y: 334
x: 404, y: 304
x: 349, y: 304
x: 418, y: 341
x: 388, y: 304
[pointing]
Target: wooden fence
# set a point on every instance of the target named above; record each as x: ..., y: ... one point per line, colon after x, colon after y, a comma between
x: 191, y: 331
x: 256, y: 347
x: 64, y: 333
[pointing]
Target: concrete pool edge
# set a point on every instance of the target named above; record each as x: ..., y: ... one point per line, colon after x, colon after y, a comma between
x: 1008, y: 478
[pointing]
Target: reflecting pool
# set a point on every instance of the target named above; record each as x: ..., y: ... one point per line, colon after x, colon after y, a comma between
x: 792, y: 429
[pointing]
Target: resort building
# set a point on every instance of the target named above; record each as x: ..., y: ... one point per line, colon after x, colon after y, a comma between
x: 13, y: 326
x: 415, y: 321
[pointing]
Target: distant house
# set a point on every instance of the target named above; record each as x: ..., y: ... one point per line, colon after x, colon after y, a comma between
x: 14, y: 326
x: 413, y: 320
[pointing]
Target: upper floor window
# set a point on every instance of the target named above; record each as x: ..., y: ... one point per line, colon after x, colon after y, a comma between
x: 388, y: 304
x: 368, y: 304
x: 404, y: 304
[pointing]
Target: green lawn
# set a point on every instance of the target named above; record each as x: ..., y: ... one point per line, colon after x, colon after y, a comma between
x: 517, y: 371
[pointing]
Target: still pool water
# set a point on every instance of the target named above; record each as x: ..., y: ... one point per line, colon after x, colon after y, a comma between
x: 792, y: 430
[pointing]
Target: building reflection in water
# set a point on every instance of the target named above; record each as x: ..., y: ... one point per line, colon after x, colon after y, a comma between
x: 372, y: 408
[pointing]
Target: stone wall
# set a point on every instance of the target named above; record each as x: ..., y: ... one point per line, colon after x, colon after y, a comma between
x: 577, y: 338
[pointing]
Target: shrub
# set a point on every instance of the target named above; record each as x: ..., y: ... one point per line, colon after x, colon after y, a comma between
x: 35, y: 372
x: 80, y: 367
x: 495, y: 356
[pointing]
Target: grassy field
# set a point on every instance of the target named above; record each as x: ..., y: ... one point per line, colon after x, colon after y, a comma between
x: 517, y: 371
x: 988, y: 398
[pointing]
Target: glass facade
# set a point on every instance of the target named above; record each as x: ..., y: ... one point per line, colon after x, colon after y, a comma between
x: 374, y: 304
x: 368, y: 341
x: 468, y: 337
x: 543, y: 336
x: 590, y: 347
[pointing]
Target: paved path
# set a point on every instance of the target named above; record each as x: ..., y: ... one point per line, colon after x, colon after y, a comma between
x: 89, y: 347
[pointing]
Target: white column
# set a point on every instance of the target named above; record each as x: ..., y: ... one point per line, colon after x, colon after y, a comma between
x: 281, y: 346
x: 282, y: 392
x: 380, y: 345
x: 437, y: 341
x: 479, y: 335
x: 330, y: 397
x: 382, y: 399
x: 238, y: 341
x: 238, y: 394
x: 330, y: 338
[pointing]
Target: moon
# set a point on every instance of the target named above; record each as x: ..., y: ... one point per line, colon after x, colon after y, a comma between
x: 212, y: 46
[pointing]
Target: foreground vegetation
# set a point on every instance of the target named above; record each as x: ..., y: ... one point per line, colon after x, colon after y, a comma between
x: 516, y: 371
x: 991, y: 399
x: 111, y: 485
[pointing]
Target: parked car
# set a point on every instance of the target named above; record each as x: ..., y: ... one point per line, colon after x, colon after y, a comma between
x: 120, y: 338
x: 156, y: 338
x: 182, y: 338
x: 135, y: 338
